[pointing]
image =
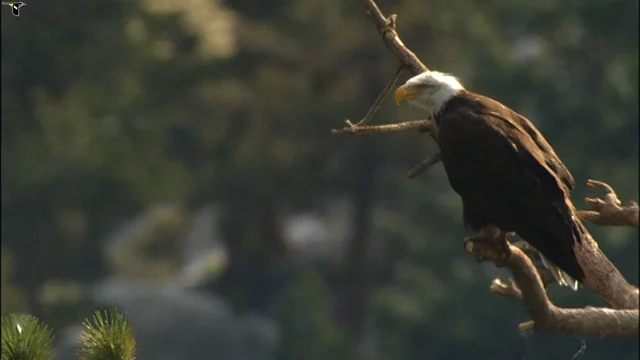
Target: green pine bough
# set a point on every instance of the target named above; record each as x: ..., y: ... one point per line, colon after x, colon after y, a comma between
x: 24, y: 337
x: 106, y: 336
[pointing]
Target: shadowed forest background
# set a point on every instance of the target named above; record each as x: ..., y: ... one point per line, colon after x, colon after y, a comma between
x: 174, y: 159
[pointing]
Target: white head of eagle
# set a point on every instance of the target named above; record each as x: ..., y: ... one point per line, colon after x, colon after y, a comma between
x: 430, y: 91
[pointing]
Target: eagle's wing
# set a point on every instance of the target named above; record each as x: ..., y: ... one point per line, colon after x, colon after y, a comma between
x: 555, y: 181
x: 543, y: 184
x: 526, y: 137
x: 551, y: 159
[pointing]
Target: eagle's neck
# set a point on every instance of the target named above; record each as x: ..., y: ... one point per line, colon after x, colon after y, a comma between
x: 437, y: 102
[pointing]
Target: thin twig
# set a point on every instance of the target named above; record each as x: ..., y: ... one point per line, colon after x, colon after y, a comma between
x: 383, y: 95
x: 508, y: 290
x: 425, y: 165
x: 609, y: 212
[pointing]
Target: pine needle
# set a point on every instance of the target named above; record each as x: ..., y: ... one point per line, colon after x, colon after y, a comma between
x: 107, y: 337
x: 24, y: 337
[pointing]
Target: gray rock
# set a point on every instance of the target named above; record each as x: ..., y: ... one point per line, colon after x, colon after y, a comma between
x: 174, y: 323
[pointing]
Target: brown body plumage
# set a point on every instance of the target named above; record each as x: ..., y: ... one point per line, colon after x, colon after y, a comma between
x: 506, y: 173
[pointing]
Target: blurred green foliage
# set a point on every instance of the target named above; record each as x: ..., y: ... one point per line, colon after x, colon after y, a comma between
x: 111, y: 107
x: 306, y: 317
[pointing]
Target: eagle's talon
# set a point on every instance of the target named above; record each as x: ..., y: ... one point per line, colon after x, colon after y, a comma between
x: 503, y: 256
x: 468, y: 244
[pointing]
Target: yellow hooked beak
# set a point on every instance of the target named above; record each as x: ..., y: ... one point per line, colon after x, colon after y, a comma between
x: 404, y: 93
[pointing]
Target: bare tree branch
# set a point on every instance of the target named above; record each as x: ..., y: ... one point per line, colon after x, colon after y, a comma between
x: 508, y: 290
x: 391, y: 39
x: 354, y: 129
x: 527, y: 288
x: 601, y: 275
x: 424, y: 165
x: 408, y: 61
x: 604, y: 278
x: 609, y: 212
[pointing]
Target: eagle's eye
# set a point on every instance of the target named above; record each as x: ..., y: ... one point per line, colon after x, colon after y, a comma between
x: 426, y: 86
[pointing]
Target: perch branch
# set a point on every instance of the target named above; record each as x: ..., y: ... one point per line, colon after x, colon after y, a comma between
x: 527, y: 288
x: 609, y: 212
x: 601, y: 275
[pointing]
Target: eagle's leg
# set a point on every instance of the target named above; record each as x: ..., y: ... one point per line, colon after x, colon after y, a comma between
x: 500, y: 238
x: 490, y: 243
x: 528, y: 249
x: 503, y: 242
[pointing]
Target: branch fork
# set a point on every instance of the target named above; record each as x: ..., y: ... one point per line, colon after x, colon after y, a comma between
x: 527, y: 288
x: 609, y: 211
x: 409, y: 62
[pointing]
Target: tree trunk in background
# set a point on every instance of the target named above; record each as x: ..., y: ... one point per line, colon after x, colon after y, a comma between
x: 355, y: 292
x: 253, y: 237
x: 273, y: 248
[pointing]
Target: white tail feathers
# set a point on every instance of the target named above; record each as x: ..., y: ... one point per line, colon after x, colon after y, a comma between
x: 561, y: 277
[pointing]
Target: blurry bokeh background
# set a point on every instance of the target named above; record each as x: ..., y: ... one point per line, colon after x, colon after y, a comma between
x: 174, y: 159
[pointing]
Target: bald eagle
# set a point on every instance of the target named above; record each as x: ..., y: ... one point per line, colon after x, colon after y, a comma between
x: 506, y: 173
